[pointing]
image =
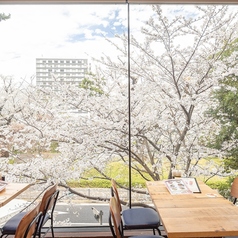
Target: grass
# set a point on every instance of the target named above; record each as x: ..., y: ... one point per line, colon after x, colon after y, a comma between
x: 116, y: 170
x: 119, y: 171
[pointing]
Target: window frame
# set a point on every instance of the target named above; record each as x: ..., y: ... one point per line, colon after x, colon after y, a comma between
x: 127, y: 2
x: 118, y: 2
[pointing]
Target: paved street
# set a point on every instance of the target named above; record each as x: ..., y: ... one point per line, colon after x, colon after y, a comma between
x: 82, y: 214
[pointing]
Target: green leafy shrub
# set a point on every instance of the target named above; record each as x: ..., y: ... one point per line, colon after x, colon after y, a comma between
x: 223, y: 186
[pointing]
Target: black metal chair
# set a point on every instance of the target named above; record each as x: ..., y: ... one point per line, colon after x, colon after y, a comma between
x: 47, y: 206
x: 117, y: 224
x: 136, y: 217
x: 28, y: 224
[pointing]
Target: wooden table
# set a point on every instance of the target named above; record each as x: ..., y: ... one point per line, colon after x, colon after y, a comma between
x: 11, y: 191
x: 194, y: 215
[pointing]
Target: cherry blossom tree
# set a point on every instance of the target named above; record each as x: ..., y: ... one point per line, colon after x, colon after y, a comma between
x: 9, y: 107
x: 173, y: 70
x: 174, y: 66
x: 4, y: 17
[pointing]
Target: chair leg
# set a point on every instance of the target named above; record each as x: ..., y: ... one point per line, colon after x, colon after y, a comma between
x: 52, y: 228
x: 110, y: 225
x: 158, y: 231
x: 52, y: 231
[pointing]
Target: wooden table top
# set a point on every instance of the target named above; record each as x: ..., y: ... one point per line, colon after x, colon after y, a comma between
x: 11, y: 191
x: 205, y: 214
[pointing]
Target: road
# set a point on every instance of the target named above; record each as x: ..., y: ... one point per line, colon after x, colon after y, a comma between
x: 87, y: 214
x: 82, y: 214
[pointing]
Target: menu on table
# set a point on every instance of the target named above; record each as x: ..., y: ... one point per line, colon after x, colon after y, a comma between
x: 182, y: 186
x: 192, y: 184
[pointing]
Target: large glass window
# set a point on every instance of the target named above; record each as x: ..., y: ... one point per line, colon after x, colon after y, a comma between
x: 82, y: 129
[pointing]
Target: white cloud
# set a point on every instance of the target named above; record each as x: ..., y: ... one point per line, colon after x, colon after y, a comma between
x: 63, y: 31
x: 53, y: 31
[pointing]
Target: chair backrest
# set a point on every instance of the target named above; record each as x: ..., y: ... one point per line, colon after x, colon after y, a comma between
x: 115, y: 213
x: 116, y: 194
x: 47, y: 207
x: 234, y: 189
x: 47, y: 203
x: 28, y: 224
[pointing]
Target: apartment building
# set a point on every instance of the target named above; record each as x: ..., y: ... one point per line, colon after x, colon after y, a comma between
x: 66, y: 71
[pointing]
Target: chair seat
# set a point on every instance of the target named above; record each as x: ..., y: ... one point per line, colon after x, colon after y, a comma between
x: 12, y: 224
x: 140, y: 218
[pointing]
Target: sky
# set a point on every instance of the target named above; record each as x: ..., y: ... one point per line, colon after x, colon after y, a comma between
x: 65, y: 31
x: 60, y: 31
